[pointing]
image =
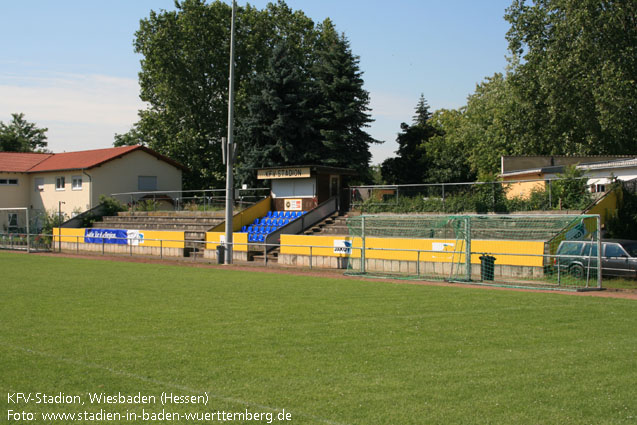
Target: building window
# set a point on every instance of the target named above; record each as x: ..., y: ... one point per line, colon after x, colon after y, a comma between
x: 77, y: 183
x: 600, y: 188
x: 59, y: 183
x: 9, y: 182
x: 146, y: 183
x: 38, y: 184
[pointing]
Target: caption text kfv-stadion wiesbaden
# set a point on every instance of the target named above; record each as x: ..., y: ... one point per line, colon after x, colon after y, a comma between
x: 139, y: 399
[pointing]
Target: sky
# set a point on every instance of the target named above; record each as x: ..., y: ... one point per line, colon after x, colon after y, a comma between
x: 70, y: 66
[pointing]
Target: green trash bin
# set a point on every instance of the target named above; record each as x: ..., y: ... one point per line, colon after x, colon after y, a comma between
x: 221, y: 252
x: 487, y: 267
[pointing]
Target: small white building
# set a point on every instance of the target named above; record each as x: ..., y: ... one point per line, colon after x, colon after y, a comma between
x: 74, y: 181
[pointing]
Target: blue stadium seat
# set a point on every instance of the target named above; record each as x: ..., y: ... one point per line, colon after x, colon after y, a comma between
x: 250, y: 227
x: 303, y: 212
x: 287, y: 214
x: 256, y: 221
x: 286, y: 221
x: 244, y: 229
x: 250, y: 237
x: 269, y: 214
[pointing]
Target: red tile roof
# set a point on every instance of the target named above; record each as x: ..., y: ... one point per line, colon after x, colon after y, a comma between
x: 81, y: 159
x: 71, y: 160
x: 16, y: 162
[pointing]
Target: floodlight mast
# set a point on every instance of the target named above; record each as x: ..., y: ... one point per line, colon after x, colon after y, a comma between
x: 230, y: 147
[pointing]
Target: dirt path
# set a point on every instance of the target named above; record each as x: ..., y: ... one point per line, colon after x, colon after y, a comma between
x: 335, y: 274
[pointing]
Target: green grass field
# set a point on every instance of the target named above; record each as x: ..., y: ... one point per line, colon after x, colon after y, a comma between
x: 328, y: 351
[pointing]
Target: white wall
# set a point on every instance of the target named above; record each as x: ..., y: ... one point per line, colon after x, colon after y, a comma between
x: 601, y: 176
x: 121, y: 175
x: 14, y: 196
x: 75, y: 200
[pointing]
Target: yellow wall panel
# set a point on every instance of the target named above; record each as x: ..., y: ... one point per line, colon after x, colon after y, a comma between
x: 240, y: 240
x: 152, y: 238
x: 432, y: 250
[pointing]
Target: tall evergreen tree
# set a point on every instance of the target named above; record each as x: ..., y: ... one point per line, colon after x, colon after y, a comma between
x: 275, y: 130
x: 341, y: 103
x: 411, y: 164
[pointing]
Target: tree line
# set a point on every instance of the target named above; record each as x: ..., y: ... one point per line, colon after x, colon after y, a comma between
x: 570, y: 89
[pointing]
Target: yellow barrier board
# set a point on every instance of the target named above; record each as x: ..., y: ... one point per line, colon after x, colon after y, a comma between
x: 524, y: 253
x: 240, y: 240
x: 149, y: 238
x: 68, y: 235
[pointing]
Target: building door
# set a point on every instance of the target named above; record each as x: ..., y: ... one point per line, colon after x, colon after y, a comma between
x: 335, y: 185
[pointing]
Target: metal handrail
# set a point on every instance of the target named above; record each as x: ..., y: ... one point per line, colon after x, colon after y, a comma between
x: 304, y: 222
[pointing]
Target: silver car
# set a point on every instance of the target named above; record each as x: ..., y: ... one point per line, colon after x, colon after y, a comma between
x: 579, y: 258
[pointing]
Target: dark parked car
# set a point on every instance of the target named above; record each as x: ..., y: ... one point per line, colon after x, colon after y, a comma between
x: 579, y: 258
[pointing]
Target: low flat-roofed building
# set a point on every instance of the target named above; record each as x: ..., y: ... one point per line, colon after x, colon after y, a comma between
x: 532, y: 172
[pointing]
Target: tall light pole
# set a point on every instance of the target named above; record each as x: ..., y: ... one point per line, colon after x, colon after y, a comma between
x: 230, y: 149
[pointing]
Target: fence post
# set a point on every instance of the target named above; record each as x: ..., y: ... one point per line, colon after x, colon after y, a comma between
x: 418, y: 264
x: 161, y: 248
x: 443, y: 197
x: 77, y: 244
x: 468, y: 247
x: 28, y: 234
x: 310, y: 256
x: 265, y: 254
x: 363, y: 245
x: 599, y: 251
x: 102, y: 246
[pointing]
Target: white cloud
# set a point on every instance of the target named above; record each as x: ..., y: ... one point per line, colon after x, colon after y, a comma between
x: 85, y: 111
x: 81, y: 111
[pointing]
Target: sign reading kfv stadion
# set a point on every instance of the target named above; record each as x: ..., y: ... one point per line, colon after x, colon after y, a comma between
x: 283, y: 173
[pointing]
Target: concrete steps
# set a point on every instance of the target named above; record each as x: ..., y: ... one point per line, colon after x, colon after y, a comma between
x: 164, y: 220
x: 273, y: 256
x: 193, y: 224
x: 336, y: 224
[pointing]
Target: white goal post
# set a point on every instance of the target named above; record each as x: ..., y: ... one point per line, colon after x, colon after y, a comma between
x: 27, y: 222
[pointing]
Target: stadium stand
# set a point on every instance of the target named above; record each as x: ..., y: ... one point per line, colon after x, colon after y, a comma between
x: 269, y: 223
